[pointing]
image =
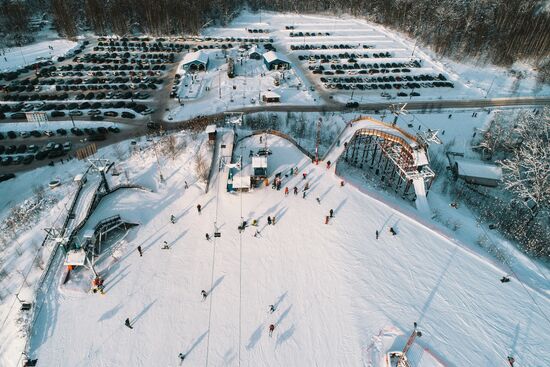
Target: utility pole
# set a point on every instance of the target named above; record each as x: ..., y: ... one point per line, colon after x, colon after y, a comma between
x: 413, y: 336
x: 491, y: 86
x: 318, y: 141
x: 158, y: 162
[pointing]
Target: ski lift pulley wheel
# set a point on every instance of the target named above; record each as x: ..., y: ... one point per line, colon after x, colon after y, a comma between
x: 217, y: 234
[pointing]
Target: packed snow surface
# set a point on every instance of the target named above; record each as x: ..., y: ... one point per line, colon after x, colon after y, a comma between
x: 15, y: 57
x: 336, y: 289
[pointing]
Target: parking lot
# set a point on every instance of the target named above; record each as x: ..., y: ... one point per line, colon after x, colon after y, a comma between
x: 110, y: 79
x: 19, y: 149
x: 355, y: 61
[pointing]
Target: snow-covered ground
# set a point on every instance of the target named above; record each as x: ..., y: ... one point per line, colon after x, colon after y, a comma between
x: 213, y: 91
x: 342, y: 297
x: 15, y: 57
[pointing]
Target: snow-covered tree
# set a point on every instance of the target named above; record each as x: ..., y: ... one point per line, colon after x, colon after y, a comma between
x: 526, y: 174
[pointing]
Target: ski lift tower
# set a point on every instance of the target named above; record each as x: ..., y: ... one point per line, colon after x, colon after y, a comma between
x: 101, y: 166
x: 415, y: 333
x: 318, y: 141
x: 396, y: 111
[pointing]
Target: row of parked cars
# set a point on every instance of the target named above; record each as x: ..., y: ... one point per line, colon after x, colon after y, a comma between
x: 341, y: 46
x: 78, y: 97
x: 59, y: 132
x: 50, y: 150
x: 351, y: 57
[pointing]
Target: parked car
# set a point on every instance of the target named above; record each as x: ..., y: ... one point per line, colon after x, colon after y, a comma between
x: 110, y: 113
x: 67, y: 146
x: 7, y: 176
x: 128, y: 115
x: 28, y: 159
x: 6, y: 161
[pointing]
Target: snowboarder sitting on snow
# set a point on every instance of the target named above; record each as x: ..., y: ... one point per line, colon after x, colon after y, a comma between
x: 392, y: 231
x: 207, y: 237
x: 318, y: 200
x: 181, y: 356
x: 269, y: 220
x: 172, y: 219
x: 204, y: 294
x: 271, y: 308
x: 255, y: 223
x: 165, y: 246
x: 504, y: 279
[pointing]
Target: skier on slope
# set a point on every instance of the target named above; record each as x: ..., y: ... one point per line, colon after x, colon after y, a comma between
x: 207, y: 237
x: 376, y: 234
x: 318, y: 200
x: 128, y: 324
x: 269, y: 220
x: 140, y: 251
x: 181, y: 356
x: 392, y: 231
x: 504, y: 279
x: 271, y: 308
x: 286, y: 191
x: 271, y: 329
x: 331, y: 213
x: 295, y: 190
x: 173, y: 219
x: 199, y: 208
x: 204, y: 294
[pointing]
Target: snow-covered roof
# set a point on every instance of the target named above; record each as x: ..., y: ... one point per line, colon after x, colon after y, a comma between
x: 210, y: 129
x: 259, y: 162
x: 270, y: 94
x: 241, y: 181
x: 75, y: 257
x: 271, y: 56
x: 198, y: 56
x: 89, y: 233
x: 253, y: 49
x: 420, y: 157
x: 471, y: 168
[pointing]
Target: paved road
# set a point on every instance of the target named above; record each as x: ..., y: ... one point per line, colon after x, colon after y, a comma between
x: 138, y: 127
x: 411, y: 105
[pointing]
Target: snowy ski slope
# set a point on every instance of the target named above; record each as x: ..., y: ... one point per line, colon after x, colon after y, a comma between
x: 336, y: 288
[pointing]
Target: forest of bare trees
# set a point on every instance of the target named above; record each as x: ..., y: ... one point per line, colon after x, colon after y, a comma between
x: 499, y: 31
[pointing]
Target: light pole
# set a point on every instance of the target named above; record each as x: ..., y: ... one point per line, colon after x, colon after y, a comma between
x: 491, y: 86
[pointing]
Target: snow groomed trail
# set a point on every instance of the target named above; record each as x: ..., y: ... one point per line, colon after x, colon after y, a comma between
x: 335, y: 286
